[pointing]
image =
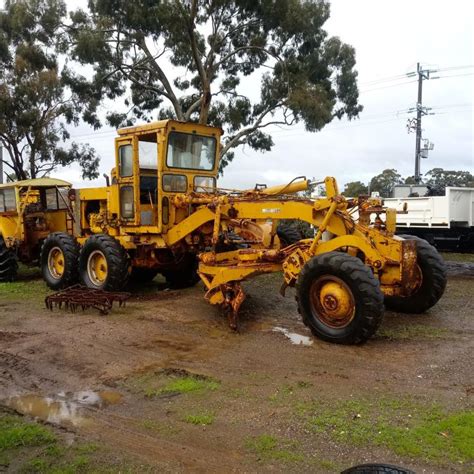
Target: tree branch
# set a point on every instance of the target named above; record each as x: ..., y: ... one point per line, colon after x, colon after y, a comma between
x: 164, y: 80
x: 235, y: 140
x: 192, y: 108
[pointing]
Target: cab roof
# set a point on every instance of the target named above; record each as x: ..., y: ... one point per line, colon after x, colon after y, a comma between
x: 36, y: 183
x: 153, y: 126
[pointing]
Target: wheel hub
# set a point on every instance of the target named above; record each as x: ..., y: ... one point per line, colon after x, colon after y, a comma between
x: 56, y: 263
x: 97, y: 267
x: 332, y: 301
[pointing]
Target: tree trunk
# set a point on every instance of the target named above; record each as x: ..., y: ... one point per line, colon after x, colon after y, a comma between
x: 205, y: 106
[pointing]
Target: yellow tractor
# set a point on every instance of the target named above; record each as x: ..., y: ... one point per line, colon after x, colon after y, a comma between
x: 31, y: 211
x: 163, y: 212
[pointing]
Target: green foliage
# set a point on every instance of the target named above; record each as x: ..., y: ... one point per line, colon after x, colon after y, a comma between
x: 188, y: 384
x: 406, y: 427
x: 36, y: 102
x: 385, y: 181
x: 14, y: 433
x: 200, y: 419
x: 155, y: 384
x: 268, y: 447
x: 438, y: 179
x: 412, y: 332
x: 355, y: 188
x: 310, y: 77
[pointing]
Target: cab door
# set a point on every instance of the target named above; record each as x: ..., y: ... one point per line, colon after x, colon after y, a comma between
x: 128, y: 180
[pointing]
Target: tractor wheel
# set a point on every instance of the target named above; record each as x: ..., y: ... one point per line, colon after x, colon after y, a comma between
x: 433, y: 283
x: 8, y: 263
x: 59, y: 258
x: 339, y: 298
x: 185, y: 274
x: 104, y: 263
x: 142, y: 275
x: 288, y: 234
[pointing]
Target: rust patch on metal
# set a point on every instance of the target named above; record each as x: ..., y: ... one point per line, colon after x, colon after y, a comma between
x: 411, y: 273
x: 80, y: 297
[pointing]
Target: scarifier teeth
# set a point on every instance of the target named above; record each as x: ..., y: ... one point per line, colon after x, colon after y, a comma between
x: 79, y: 296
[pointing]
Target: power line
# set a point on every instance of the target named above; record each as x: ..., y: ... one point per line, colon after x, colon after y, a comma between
x: 386, y: 87
x: 454, y: 75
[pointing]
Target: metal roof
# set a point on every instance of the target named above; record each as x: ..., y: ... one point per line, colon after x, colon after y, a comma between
x: 36, y: 183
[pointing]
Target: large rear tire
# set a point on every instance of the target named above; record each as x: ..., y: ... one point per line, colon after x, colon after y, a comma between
x: 433, y: 282
x: 59, y: 260
x: 142, y: 275
x: 104, y: 264
x: 288, y: 234
x: 8, y: 263
x: 185, y: 274
x: 339, y: 298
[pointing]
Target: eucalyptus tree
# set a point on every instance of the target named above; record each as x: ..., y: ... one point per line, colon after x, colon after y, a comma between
x: 243, y: 65
x: 36, y: 102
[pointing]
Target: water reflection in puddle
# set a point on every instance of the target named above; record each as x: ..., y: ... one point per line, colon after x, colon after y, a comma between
x: 295, y: 338
x: 63, y: 408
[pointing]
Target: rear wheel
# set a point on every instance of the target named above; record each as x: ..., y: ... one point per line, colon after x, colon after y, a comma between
x: 339, y: 298
x: 59, y: 259
x: 288, y: 234
x: 104, y: 263
x: 142, y: 275
x: 185, y: 274
x: 433, y: 283
x: 8, y: 263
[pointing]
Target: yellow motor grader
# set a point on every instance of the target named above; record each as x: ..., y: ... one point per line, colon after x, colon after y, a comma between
x: 163, y: 213
x: 30, y: 210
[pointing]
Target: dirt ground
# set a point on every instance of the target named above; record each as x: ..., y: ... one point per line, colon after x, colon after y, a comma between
x: 185, y: 393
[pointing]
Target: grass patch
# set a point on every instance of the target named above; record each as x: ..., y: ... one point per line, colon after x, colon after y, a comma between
x: 458, y: 257
x: 407, y: 428
x: 287, y: 391
x: 412, y: 332
x: 27, y: 446
x: 171, y: 382
x: 15, y: 433
x: 23, y: 289
x: 268, y: 448
x: 157, y: 427
x: 203, y: 419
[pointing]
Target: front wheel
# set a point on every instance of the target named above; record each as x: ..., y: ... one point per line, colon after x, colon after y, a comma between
x: 339, y: 298
x: 104, y: 263
x: 433, y: 281
x: 59, y: 258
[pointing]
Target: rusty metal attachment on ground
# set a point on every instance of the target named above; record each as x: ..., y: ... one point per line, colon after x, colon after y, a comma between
x: 234, y: 297
x: 78, y: 296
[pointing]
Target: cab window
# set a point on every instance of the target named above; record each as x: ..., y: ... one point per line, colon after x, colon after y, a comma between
x: 56, y: 199
x: 174, y: 183
x: 190, y: 151
x: 126, y: 160
x: 148, y: 189
x: 148, y: 152
x: 7, y: 200
x: 204, y: 184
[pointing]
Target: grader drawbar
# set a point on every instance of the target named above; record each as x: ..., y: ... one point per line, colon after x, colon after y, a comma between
x: 163, y: 213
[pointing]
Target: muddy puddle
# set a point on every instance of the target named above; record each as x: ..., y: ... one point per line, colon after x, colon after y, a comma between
x: 297, y: 339
x: 63, y: 408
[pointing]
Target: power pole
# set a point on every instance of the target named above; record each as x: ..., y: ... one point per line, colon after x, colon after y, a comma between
x: 1, y: 164
x: 420, y: 111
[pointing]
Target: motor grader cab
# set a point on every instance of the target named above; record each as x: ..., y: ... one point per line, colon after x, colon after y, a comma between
x: 30, y: 210
x: 163, y: 212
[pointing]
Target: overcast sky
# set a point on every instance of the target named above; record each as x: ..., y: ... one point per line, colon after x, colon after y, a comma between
x: 390, y: 37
